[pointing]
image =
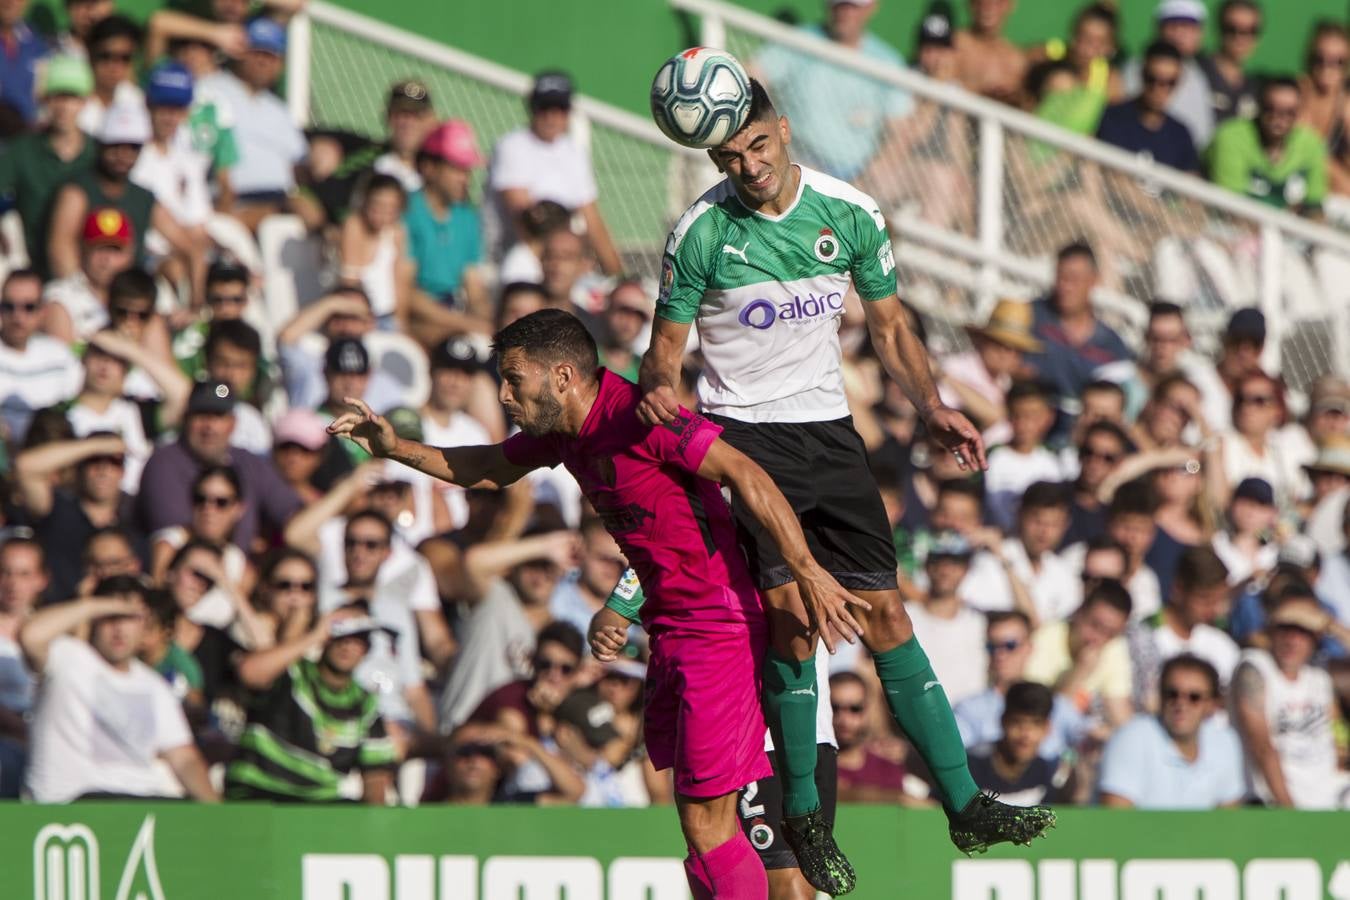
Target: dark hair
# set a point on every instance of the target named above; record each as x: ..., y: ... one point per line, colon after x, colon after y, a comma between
x: 1103, y: 385
x: 122, y: 584
x: 1200, y: 568
x: 236, y: 333
x: 965, y: 487
x: 375, y: 516
x: 1008, y: 615
x: 163, y: 608
x: 550, y: 336
x: 1102, y: 543
x: 761, y: 106
x: 1112, y: 593
x: 1099, y: 11
x: 268, y: 567
x: 1229, y: 5
x: 1296, y: 588
x: 226, y: 270
x: 1162, y: 50
x: 132, y: 284
x: 563, y: 633
x: 226, y: 472
x: 29, y: 542
x: 1028, y: 389
x: 1039, y: 75
x: 544, y: 218
x: 1102, y: 426
x: 1134, y: 498
x: 1027, y: 698
x: 1322, y: 28
x: 1195, y: 664
x: 1166, y: 383
x: 1159, y: 308
x: 382, y: 182
x: 847, y: 677
x: 20, y: 275
x: 115, y: 531
x: 1044, y: 495
x: 1276, y: 82
x: 192, y: 544
x: 1077, y: 248
x: 115, y: 26
x: 48, y: 426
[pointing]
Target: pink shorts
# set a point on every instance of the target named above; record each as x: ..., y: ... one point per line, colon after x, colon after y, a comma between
x: 704, y: 715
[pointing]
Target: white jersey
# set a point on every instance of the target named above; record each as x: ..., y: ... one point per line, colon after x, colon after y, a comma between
x: 767, y: 295
x: 1299, y: 713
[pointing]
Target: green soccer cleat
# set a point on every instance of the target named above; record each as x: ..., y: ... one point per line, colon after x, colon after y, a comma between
x: 985, y: 822
x: 821, y: 861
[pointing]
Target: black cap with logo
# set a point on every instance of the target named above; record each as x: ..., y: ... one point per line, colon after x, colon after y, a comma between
x: 552, y: 90
x: 347, y: 356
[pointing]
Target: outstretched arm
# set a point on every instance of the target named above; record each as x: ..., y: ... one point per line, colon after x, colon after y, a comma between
x: 826, y: 601
x: 465, y: 466
x: 905, y: 359
x: 50, y: 622
x: 660, y: 371
x: 36, y: 467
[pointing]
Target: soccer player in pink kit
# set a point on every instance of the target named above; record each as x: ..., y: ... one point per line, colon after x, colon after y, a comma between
x: 657, y: 490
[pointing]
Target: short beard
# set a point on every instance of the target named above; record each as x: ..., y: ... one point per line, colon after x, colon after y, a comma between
x: 546, y: 421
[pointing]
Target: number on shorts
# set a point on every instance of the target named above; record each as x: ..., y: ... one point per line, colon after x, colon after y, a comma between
x: 747, y: 797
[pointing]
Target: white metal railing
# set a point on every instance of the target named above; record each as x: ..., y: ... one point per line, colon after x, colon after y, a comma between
x: 1001, y: 138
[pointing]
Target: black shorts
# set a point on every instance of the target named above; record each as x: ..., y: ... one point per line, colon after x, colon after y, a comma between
x: 760, y: 808
x: 821, y: 467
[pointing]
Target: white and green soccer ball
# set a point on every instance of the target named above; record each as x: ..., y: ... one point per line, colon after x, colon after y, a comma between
x: 701, y: 97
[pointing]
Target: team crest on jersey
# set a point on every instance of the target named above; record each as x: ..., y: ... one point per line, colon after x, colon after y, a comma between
x: 667, y: 279
x: 827, y: 246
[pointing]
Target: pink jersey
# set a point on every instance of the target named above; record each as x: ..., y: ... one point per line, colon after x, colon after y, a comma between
x: 675, y: 527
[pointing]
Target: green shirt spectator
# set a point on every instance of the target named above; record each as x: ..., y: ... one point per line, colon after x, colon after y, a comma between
x: 1271, y: 159
x: 442, y: 245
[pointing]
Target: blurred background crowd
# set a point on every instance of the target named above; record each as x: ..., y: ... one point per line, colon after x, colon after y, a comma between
x: 1145, y: 600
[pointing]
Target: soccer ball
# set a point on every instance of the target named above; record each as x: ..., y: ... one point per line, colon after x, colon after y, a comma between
x: 701, y: 97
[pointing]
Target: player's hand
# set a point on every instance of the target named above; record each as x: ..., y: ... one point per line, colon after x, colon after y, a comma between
x: 955, y: 432
x: 607, y: 642
x: 827, y: 607
x: 659, y: 406
x: 371, y: 433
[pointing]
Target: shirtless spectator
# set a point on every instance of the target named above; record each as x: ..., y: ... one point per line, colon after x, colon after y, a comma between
x: 987, y: 62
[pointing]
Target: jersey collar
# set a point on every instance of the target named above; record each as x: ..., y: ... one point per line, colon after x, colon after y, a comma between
x: 801, y: 186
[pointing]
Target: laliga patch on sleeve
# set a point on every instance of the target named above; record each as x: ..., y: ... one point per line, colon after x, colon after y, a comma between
x: 628, y: 585
x: 886, y: 256
x: 667, y: 280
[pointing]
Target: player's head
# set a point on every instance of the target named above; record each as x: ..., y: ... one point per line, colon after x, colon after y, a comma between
x: 756, y: 158
x: 546, y: 360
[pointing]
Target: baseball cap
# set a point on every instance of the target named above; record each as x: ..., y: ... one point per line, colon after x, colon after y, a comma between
x: 125, y: 123
x: 949, y: 543
x: 107, y: 225
x: 300, y: 426
x: 1247, y: 324
x: 551, y: 90
x: 1183, y: 10
x: 347, y: 356
x: 1257, y: 490
x: 1299, y: 550
x: 267, y: 35
x: 357, y: 625
x: 65, y: 74
x: 936, y: 26
x: 410, y: 95
x: 456, y: 353
x: 407, y: 422
x: 1329, y: 392
x: 593, y: 717
x: 454, y: 142
x: 212, y: 398
x: 169, y: 84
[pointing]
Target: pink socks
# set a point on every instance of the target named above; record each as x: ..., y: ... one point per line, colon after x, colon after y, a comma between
x: 730, y: 871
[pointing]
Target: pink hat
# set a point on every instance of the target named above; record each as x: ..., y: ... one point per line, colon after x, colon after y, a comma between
x: 300, y: 426
x: 454, y: 142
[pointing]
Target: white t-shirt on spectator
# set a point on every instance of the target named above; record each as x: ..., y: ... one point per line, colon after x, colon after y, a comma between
x: 955, y: 647
x: 97, y: 728
x: 92, y: 114
x: 251, y: 431
x: 177, y: 178
x: 460, y: 430
x: 1239, y: 566
x: 1145, y: 594
x: 408, y: 176
x: 969, y: 369
x: 270, y: 143
x: 1056, y: 589
x: 406, y: 573
x: 557, y: 170
x: 496, y: 642
x: 1009, y: 475
x: 88, y: 314
x: 1286, y: 451
x: 43, y: 374
x: 520, y: 264
x: 121, y: 417
x: 1206, y: 642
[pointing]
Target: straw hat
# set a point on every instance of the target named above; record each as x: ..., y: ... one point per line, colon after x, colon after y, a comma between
x: 1333, y: 456
x: 1010, y: 325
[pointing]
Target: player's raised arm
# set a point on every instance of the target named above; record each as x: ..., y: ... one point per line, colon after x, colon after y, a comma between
x: 660, y: 371
x: 825, y: 599
x: 484, y: 466
x: 906, y: 360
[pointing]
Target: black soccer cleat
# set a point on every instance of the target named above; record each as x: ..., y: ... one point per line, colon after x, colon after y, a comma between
x: 821, y: 861
x: 985, y: 822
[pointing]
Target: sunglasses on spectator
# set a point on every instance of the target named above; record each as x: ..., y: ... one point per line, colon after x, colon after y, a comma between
x: 549, y: 665
x: 1155, y: 81
x: 1256, y: 399
x: 9, y: 306
x: 1005, y: 646
x: 127, y: 312
x: 203, y: 578
x: 285, y: 584
x: 222, y: 299
x: 1093, y: 453
x: 855, y: 708
x: 1172, y: 695
x: 216, y: 500
x: 1238, y: 31
x: 1328, y: 62
x: 476, y: 749
x: 106, y: 459
x: 352, y: 543
x: 109, y: 56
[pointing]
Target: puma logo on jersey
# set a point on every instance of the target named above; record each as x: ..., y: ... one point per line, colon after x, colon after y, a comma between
x: 929, y: 685
x: 727, y: 248
x: 809, y: 692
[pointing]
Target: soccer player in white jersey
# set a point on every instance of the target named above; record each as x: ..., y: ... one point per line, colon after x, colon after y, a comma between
x: 761, y: 263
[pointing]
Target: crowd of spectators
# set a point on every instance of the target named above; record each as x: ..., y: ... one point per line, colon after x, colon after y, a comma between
x: 204, y: 594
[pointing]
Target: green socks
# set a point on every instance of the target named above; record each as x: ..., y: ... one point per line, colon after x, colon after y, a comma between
x: 790, y: 706
x: 920, y: 705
